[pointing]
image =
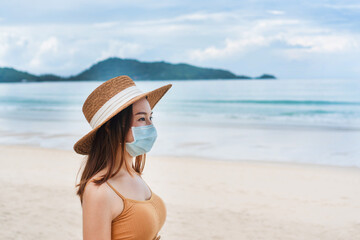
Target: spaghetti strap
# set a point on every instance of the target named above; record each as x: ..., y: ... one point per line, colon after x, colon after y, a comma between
x: 123, y: 198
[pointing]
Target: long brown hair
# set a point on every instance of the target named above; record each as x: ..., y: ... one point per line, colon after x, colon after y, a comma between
x: 108, y: 144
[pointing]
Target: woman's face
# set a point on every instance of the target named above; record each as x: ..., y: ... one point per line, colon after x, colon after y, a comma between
x: 141, y: 116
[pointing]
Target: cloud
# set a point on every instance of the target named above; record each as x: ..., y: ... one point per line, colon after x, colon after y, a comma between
x: 301, y: 39
x: 48, y: 49
x: 215, y: 35
x: 120, y: 49
x: 12, y: 47
x: 61, y: 49
x: 199, y: 16
x: 331, y: 43
x: 343, y: 6
x: 232, y: 47
x: 276, y: 12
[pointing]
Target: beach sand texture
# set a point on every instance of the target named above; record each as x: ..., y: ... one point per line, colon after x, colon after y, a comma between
x: 205, y: 199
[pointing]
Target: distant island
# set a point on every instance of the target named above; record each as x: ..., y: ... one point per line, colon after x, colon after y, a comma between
x: 137, y: 70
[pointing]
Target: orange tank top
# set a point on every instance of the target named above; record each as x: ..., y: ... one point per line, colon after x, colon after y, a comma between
x: 140, y: 220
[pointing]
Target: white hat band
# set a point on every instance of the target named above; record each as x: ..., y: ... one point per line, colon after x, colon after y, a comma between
x: 114, y: 103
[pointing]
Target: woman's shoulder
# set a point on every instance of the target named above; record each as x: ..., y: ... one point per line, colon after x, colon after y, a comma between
x: 95, y: 203
x: 95, y: 190
x: 102, y: 196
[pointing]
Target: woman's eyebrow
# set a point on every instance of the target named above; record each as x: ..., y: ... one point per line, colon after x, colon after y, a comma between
x: 142, y: 113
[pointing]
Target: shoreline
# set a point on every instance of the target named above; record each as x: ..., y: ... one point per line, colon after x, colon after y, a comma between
x: 201, y: 158
x: 270, y: 143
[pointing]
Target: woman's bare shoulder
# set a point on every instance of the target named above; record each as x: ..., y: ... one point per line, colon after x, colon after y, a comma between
x: 95, y: 191
x: 96, y: 208
x: 102, y: 196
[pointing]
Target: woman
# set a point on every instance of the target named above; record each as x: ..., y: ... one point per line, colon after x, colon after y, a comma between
x: 121, y: 119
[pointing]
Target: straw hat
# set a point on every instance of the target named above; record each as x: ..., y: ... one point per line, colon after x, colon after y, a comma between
x: 109, y: 99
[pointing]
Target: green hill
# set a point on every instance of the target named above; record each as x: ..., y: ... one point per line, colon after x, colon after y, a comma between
x: 13, y: 75
x: 113, y: 67
x: 137, y: 70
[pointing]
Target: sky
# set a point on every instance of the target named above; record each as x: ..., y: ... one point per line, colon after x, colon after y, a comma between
x: 289, y: 39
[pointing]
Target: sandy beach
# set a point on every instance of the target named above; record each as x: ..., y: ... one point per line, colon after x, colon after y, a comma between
x: 206, y: 199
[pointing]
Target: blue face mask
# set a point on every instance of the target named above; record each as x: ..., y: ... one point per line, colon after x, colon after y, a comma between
x: 144, y: 138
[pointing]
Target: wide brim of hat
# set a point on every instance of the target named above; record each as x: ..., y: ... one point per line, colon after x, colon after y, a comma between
x: 83, y: 145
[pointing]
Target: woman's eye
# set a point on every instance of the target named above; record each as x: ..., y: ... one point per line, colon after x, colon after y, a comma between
x: 144, y: 118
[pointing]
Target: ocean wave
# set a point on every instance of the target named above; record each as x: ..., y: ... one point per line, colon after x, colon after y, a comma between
x: 274, y: 102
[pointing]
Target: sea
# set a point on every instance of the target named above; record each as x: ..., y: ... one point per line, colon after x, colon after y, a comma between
x: 310, y: 121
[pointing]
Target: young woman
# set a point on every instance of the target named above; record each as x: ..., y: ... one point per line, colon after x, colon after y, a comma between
x: 116, y: 201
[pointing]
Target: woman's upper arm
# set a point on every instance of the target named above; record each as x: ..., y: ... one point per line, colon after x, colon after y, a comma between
x: 97, y: 215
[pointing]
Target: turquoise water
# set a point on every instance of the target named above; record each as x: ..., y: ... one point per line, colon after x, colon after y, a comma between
x: 49, y: 114
x: 309, y: 102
